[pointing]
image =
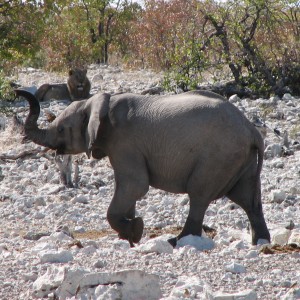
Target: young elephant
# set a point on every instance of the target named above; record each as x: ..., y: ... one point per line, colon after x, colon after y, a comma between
x: 196, y: 143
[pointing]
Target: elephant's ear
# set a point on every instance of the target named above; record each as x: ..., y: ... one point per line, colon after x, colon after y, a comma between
x: 98, y: 109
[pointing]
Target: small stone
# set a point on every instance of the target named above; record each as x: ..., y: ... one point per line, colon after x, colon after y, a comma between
x: 89, y: 250
x: 238, y: 245
x: 43, y: 246
x: 99, y: 264
x: 243, y: 295
x: 234, y: 99
x: 199, y: 242
x: 280, y: 236
x: 80, y: 199
x: 287, y: 97
x: 273, y: 150
x: 235, y: 268
x: 187, y: 287
x: 184, y: 200
x: 40, y: 201
x: 295, y: 237
x: 62, y: 256
x: 156, y: 245
x: 39, y: 215
x: 252, y: 254
x: 30, y: 276
x: 79, y: 229
x: 61, y: 237
x: 277, y: 196
x: 65, y: 229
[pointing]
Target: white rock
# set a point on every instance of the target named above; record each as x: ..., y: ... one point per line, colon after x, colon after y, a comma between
x: 242, y: 295
x: 187, y: 287
x: 156, y: 245
x: 183, y: 200
x: 252, y: 254
x: 107, y: 292
x: 295, y: 237
x: 121, y: 245
x: 278, y: 163
x: 59, y: 256
x: 89, y: 250
x: 273, y: 150
x: 277, y: 196
x: 45, y: 284
x: 199, y: 242
x: 80, y: 199
x: 43, y: 246
x: 287, y: 96
x: 79, y: 229
x: 53, y: 190
x: 39, y: 215
x: 40, y: 201
x: 234, y: 99
x: 238, y: 245
x: 235, y: 268
x: 280, y: 236
x: 60, y: 237
x: 134, y: 284
x: 30, y: 276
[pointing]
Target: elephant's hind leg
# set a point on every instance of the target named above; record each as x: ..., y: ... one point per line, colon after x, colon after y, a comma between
x: 194, y: 221
x: 247, y: 194
x: 200, y: 195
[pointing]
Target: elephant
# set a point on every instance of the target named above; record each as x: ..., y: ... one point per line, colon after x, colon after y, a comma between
x: 194, y: 143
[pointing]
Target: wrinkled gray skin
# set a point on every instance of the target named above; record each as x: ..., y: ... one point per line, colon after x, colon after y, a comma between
x: 196, y: 143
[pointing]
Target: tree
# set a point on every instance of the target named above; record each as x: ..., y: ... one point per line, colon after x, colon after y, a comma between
x: 82, y: 32
x: 20, y: 30
x: 233, y: 34
x: 112, y: 17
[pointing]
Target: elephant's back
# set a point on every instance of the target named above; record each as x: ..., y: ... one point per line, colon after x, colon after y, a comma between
x: 176, y: 133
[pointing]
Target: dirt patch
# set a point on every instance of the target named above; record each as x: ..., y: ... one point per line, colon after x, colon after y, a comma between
x: 92, y: 234
x: 151, y: 232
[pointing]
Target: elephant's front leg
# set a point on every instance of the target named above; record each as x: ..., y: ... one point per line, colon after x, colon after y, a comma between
x: 121, y: 212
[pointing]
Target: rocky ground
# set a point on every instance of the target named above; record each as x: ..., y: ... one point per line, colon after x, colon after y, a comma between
x: 55, y: 241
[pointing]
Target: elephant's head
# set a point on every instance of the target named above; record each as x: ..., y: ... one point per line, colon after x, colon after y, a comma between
x: 74, y: 131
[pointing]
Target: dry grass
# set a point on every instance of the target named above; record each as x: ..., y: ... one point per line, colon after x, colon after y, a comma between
x: 278, y: 249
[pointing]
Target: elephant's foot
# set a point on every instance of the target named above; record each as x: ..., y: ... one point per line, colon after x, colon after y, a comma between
x: 173, y: 242
x: 264, y: 235
x: 132, y: 231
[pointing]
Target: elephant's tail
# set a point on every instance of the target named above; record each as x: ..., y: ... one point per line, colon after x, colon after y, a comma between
x: 260, y: 146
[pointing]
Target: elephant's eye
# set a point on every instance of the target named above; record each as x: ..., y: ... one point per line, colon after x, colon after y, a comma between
x: 60, y: 129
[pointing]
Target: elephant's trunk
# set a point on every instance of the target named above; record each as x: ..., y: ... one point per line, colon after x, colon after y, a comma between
x: 32, y: 131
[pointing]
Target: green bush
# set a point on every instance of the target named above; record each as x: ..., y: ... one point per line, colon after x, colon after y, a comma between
x: 6, y: 90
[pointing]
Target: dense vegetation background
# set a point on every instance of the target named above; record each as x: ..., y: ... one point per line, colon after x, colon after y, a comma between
x: 255, y: 43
